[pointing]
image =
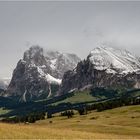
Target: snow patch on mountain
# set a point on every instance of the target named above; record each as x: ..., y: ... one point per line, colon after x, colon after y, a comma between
x: 40, y: 71
x: 53, y: 63
x: 24, y: 96
x: 50, y: 79
x: 114, y: 60
x: 53, y: 80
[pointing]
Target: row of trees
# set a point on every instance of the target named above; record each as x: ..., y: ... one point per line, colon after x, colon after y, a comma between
x: 110, y: 104
x: 68, y: 113
x: 30, y: 118
x: 81, y: 108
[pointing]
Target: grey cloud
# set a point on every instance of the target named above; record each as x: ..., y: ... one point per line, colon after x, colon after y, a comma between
x: 75, y: 27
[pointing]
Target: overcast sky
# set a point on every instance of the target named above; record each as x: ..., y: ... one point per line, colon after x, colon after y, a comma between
x: 75, y: 27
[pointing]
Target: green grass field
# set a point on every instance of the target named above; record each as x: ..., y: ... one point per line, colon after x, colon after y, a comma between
x: 118, y: 123
x: 4, y: 111
x: 78, y: 98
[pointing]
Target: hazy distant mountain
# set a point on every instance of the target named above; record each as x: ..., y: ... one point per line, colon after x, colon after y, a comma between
x: 61, y: 62
x: 36, y: 75
x: 104, y: 67
x: 4, y: 82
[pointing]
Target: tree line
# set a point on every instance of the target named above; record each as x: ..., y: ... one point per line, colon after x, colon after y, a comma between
x: 30, y: 118
x: 81, y: 108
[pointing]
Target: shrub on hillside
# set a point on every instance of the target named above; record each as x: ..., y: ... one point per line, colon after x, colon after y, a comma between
x: 68, y: 113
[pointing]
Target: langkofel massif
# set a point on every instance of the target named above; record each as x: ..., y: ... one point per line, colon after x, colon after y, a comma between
x: 38, y: 75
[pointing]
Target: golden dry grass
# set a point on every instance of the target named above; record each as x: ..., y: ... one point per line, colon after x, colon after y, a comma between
x: 20, y: 131
x: 119, y: 123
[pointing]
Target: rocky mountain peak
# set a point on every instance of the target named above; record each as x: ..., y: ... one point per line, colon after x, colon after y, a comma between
x: 36, y: 75
x: 35, y: 56
x: 104, y: 67
x: 114, y: 60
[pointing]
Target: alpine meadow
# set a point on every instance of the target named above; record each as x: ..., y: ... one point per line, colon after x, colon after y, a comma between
x: 69, y: 70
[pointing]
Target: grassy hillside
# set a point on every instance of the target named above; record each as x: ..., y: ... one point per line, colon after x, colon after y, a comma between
x: 86, y: 97
x: 78, y: 97
x: 120, y: 123
x: 4, y: 111
x: 94, y: 96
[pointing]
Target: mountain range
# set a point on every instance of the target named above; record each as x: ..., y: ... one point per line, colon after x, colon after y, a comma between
x: 41, y: 74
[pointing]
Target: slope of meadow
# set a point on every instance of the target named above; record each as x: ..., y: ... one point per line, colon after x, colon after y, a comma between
x: 120, y: 123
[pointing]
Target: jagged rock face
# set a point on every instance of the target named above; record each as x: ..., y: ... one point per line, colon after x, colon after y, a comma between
x: 61, y: 62
x: 103, y: 68
x: 52, y: 62
x: 27, y: 84
x: 35, y: 57
x: 36, y: 73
